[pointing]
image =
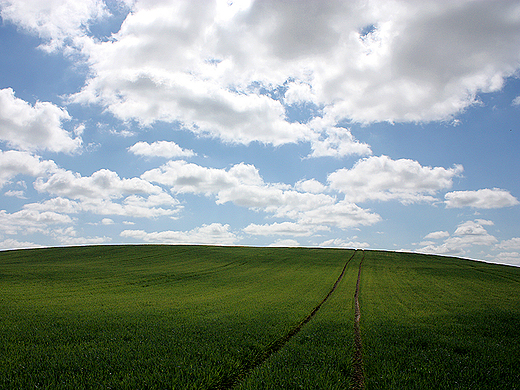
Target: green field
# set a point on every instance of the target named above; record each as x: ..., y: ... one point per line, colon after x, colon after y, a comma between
x: 201, y: 317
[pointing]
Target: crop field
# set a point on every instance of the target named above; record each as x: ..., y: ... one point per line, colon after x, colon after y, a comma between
x: 439, y: 323
x: 202, y: 317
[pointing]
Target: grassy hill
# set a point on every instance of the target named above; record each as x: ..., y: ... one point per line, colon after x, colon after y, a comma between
x: 201, y: 317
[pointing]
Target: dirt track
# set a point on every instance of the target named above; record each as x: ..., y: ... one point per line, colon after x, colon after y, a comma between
x: 358, y: 379
x: 231, y: 382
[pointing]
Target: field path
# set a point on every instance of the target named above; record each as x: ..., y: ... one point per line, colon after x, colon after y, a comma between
x: 358, y: 379
x: 231, y: 382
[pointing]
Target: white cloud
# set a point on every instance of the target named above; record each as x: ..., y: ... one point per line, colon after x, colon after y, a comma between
x: 131, y: 206
x: 102, y: 184
x: 13, y: 163
x: 516, y: 101
x: 18, y: 194
x: 242, y: 185
x: 35, y: 127
x: 474, y: 229
x: 214, y: 233
x: 482, y: 199
x: 512, y: 244
x: 343, y: 215
x: 437, y: 235
x: 30, y: 221
x: 160, y: 149
x: 69, y: 236
x: 340, y: 243
x: 512, y: 258
x: 313, y: 186
x: 102, y: 193
x: 467, y: 235
x: 284, y: 243
x: 229, y: 70
x: 283, y: 228
x: 55, y: 21
x: 184, y: 177
x: 299, y: 92
x: 335, y: 141
x: 15, y: 244
x: 107, y: 221
x: 381, y: 178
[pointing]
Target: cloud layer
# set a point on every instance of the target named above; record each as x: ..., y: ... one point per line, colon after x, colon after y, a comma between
x: 28, y: 127
x: 381, y: 178
x: 482, y: 199
x: 242, y: 72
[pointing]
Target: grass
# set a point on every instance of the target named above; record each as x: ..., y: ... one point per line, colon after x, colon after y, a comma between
x: 439, y: 323
x: 153, y: 316
x: 319, y: 356
x: 199, y: 317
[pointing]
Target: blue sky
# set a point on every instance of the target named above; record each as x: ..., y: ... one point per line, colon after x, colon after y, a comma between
x: 370, y: 124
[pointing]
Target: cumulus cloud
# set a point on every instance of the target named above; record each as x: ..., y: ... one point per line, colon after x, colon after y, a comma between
x: 28, y: 127
x: 516, y: 101
x: 284, y: 243
x: 335, y: 142
x: 11, y: 243
x: 231, y: 70
x: 102, y: 184
x: 102, y: 193
x: 343, y: 215
x: 184, y: 177
x: 340, y: 243
x: 482, y: 199
x: 467, y: 235
x: 214, y: 233
x: 135, y: 206
x: 69, y: 236
x: 18, y: 194
x: 436, y: 235
x: 381, y: 178
x: 30, y: 221
x: 242, y: 185
x: 512, y: 244
x: 160, y: 149
x: 13, y: 163
x: 299, y: 92
x: 512, y: 258
x: 283, y: 228
x: 311, y: 185
x: 57, y: 22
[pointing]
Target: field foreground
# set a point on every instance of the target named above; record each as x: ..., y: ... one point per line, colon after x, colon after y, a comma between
x: 200, y: 317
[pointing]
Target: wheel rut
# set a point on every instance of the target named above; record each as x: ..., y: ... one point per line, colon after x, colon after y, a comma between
x: 230, y: 382
x: 358, y: 378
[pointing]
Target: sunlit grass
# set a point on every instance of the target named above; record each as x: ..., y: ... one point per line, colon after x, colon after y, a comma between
x: 320, y: 355
x: 181, y: 317
x: 153, y: 316
x: 439, y: 323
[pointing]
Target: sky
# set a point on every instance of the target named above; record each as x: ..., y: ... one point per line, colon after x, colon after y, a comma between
x: 360, y: 124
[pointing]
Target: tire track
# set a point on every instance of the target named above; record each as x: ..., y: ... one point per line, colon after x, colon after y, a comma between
x: 230, y: 382
x: 358, y: 378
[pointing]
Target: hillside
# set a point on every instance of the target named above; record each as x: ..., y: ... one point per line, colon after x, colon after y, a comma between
x: 202, y: 317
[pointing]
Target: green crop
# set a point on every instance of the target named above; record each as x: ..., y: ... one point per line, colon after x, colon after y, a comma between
x: 151, y: 316
x: 439, y: 323
x: 201, y: 317
x: 319, y: 356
